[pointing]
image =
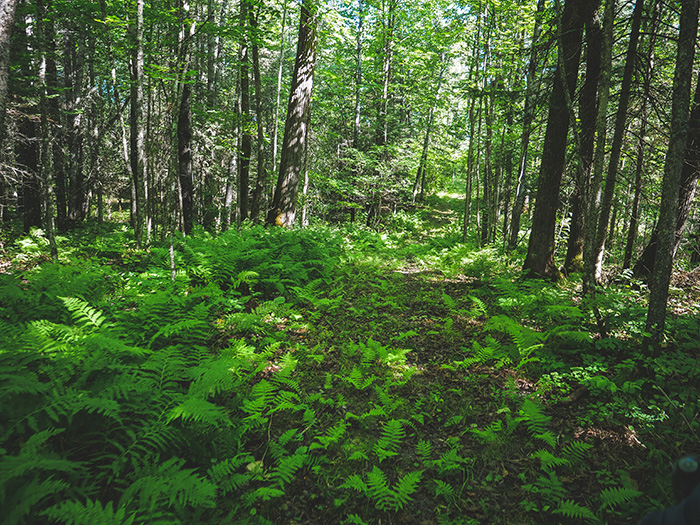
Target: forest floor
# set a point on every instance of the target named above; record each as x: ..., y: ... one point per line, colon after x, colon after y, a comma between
x: 472, y: 401
x: 335, y: 376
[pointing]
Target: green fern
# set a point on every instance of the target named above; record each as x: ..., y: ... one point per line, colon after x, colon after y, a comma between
x: 199, y: 410
x: 331, y: 436
x: 377, y: 488
x: 424, y: 449
x: 612, y: 497
x: 168, y: 484
x: 390, y: 440
x: 287, y: 467
x: 548, y: 459
x: 83, y: 313
x: 535, y: 420
x: 575, y: 451
x: 89, y: 513
x: 570, y: 509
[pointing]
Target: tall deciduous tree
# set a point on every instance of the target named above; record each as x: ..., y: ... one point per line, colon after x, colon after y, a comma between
x: 616, y: 146
x: 668, y: 211
x: 532, y: 85
x: 138, y: 128
x: 8, y: 8
x: 540, y: 254
x: 296, y: 129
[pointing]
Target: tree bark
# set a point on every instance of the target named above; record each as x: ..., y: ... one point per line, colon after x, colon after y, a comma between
x: 296, y: 129
x: 663, y: 264
x: 8, y: 8
x: 532, y: 86
x: 640, y: 153
x: 137, y: 129
x: 588, y: 113
x: 261, y: 179
x: 246, y: 140
x: 539, y: 261
x: 690, y: 173
x: 184, y: 150
x: 618, y: 135
x: 419, y: 185
x: 73, y: 72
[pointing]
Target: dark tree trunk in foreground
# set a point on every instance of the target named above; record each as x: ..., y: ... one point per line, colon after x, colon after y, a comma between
x: 27, y: 150
x: 588, y: 113
x: 8, y: 9
x: 540, y: 253
x: 261, y: 180
x: 690, y: 173
x: 666, y: 226
x: 296, y: 129
x: 246, y: 139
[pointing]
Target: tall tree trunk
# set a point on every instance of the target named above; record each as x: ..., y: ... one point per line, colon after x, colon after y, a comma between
x: 8, y: 9
x: 690, y: 173
x: 593, y: 185
x: 663, y: 264
x: 246, y: 140
x: 388, y: 29
x: 539, y: 261
x: 532, y: 86
x: 261, y: 180
x: 184, y: 124
x: 275, y: 131
x: 73, y: 73
x: 137, y: 128
x: 296, y: 129
x: 470, y: 170
x: 358, y: 77
x: 53, y: 110
x: 45, y: 35
x: 588, y: 113
x: 28, y: 153
x: 651, y: 30
x: 184, y: 149
x: 618, y: 136
x: 419, y: 185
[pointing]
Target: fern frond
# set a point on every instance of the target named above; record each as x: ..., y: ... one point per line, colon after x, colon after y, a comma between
x: 575, y: 451
x: 83, y: 312
x: 548, y: 459
x: 171, y: 485
x: 443, y: 489
x: 89, y: 513
x: 533, y: 416
x: 390, y: 441
x: 199, y: 410
x: 332, y: 435
x: 424, y: 449
x: 355, y: 482
x: 571, y: 509
x: 406, y: 486
x: 284, y: 472
x: 614, y: 496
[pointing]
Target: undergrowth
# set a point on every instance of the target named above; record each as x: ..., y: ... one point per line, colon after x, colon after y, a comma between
x: 325, y: 376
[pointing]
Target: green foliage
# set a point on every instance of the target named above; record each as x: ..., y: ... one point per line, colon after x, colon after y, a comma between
x: 385, y: 496
x: 294, y: 375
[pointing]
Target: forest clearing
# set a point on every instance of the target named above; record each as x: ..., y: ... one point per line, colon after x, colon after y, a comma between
x: 332, y: 375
